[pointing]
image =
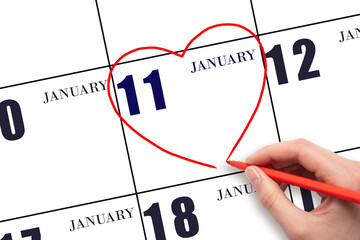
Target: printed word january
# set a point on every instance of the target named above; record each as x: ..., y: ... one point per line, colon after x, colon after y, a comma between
x: 74, y: 91
x: 221, y: 61
x: 235, y: 191
x: 100, y: 219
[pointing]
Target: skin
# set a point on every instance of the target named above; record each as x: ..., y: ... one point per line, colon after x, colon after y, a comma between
x: 334, y: 218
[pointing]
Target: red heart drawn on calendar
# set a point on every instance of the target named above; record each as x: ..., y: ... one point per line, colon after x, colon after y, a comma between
x: 180, y: 54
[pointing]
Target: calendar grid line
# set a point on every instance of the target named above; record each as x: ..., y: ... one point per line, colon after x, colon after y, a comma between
x: 178, y: 51
x: 267, y: 80
x: 189, y: 49
x: 270, y: 95
x: 190, y: 182
x: 140, y: 192
x: 53, y: 77
x: 121, y: 123
x: 273, y: 109
x: 119, y: 197
x: 124, y: 62
x: 66, y: 208
x: 347, y: 150
x: 309, y: 24
x: 290, y: 193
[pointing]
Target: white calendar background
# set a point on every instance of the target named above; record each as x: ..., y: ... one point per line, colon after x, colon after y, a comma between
x: 70, y: 169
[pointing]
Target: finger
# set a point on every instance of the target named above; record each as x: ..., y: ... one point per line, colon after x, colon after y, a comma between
x: 274, y: 200
x: 312, y: 157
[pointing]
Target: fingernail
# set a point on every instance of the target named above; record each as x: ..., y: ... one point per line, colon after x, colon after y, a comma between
x: 253, y: 176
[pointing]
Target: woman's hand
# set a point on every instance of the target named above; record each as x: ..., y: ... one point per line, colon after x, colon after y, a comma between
x: 334, y: 218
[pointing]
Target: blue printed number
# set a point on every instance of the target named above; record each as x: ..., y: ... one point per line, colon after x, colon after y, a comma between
x: 304, y: 73
x: 17, y: 130
x: 128, y: 85
x: 186, y: 223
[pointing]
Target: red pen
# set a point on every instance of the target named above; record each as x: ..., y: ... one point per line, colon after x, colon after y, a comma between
x: 320, y: 187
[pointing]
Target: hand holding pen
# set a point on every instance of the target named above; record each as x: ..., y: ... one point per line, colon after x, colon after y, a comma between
x: 334, y: 218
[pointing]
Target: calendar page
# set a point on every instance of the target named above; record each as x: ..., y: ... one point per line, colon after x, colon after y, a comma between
x: 117, y: 117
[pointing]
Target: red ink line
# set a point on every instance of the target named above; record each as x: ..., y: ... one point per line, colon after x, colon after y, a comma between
x: 181, y: 56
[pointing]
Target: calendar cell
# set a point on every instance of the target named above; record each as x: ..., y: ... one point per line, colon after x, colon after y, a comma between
x: 278, y: 15
x: 195, y: 119
x: 207, y: 209
x: 65, y: 37
x: 167, y: 24
x: 113, y: 219
x: 60, y: 140
x: 316, y: 108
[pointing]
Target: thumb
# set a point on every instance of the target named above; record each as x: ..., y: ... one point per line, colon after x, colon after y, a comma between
x: 274, y: 199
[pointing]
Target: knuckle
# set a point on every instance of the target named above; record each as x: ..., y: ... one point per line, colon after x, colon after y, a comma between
x: 300, y: 147
x: 301, y: 143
